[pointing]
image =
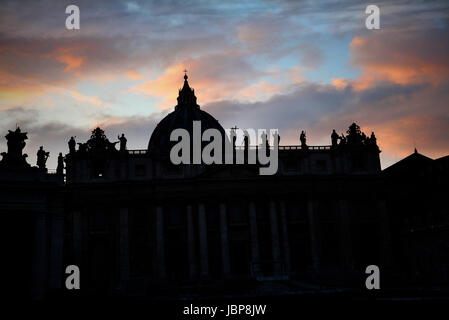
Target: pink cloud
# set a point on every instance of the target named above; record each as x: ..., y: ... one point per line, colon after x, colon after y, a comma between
x: 401, y: 57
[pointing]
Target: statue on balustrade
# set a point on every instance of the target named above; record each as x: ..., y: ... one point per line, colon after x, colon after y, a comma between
x: 60, y: 167
x: 246, y: 139
x: 279, y: 138
x: 100, y: 150
x: 334, y: 138
x: 233, y: 134
x: 355, y: 137
x: 14, y: 157
x: 42, y: 157
x: 302, y: 138
x: 72, y: 145
x: 98, y: 142
x: 373, y: 139
x: 123, y: 141
x: 342, y: 140
x: 264, y: 139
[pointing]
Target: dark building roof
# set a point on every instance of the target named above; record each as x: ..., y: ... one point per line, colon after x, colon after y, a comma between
x: 443, y: 165
x: 414, y: 164
x: 186, y: 111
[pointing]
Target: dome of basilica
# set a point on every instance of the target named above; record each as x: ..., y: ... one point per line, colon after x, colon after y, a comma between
x: 186, y: 111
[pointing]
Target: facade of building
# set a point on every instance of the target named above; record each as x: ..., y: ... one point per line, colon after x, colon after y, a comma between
x: 416, y: 189
x: 136, y: 224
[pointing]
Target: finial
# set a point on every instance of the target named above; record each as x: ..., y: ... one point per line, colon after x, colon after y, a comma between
x: 416, y: 151
x: 185, y: 75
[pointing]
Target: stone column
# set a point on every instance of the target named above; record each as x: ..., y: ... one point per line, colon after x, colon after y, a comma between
x: 314, y: 235
x: 285, y: 240
x: 224, y: 240
x: 386, y: 246
x: 191, y: 244
x: 255, y: 257
x: 56, y: 254
x: 124, y: 247
x: 160, y: 244
x: 344, y: 222
x: 39, y: 257
x: 77, y: 238
x: 275, y: 239
x: 204, y: 257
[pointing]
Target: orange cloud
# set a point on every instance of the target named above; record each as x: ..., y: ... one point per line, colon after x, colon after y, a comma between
x: 28, y: 76
x: 165, y: 87
x: 105, y: 122
x: 224, y: 76
x: 340, y: 83
x: 15, y: 90
x: 70, y: 59
x: 259, y: 91
x: 209, y: 86
x: 295, y: 74
x: 93, y: 100
x: 399, y: 137
x: 133, y: 74
x: 401, y: 58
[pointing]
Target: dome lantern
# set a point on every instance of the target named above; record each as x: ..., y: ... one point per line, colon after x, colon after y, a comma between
x: 186, y: 95
x: 186, y: 111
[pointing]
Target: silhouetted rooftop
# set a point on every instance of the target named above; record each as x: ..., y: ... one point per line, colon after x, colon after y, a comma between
x: 413, y: 164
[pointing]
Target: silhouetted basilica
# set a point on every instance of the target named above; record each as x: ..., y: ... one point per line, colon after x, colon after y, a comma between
x: 136, y: 224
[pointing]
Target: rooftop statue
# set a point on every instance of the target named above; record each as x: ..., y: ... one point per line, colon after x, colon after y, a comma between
x: 123, y: 141
x: 354, y: 134
x: 99, y: 142
x: 279, y: 138
x: 356, y: 137
x: 264, y: 139
x: 373, y: 139
x: 16, y: 143
x: 60, y: 167
x: 42, y: 157
x: 97, y: 150
x: 302, y: 138
x: 246, y: 139
x: 342, y: 140
x: 334, y: 138
x: 72, y: 145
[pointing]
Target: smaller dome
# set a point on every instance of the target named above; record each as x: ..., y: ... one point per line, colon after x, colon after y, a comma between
x: 186, y: 111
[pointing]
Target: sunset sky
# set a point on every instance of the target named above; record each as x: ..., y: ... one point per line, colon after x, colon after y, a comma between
x: 291, y: 65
